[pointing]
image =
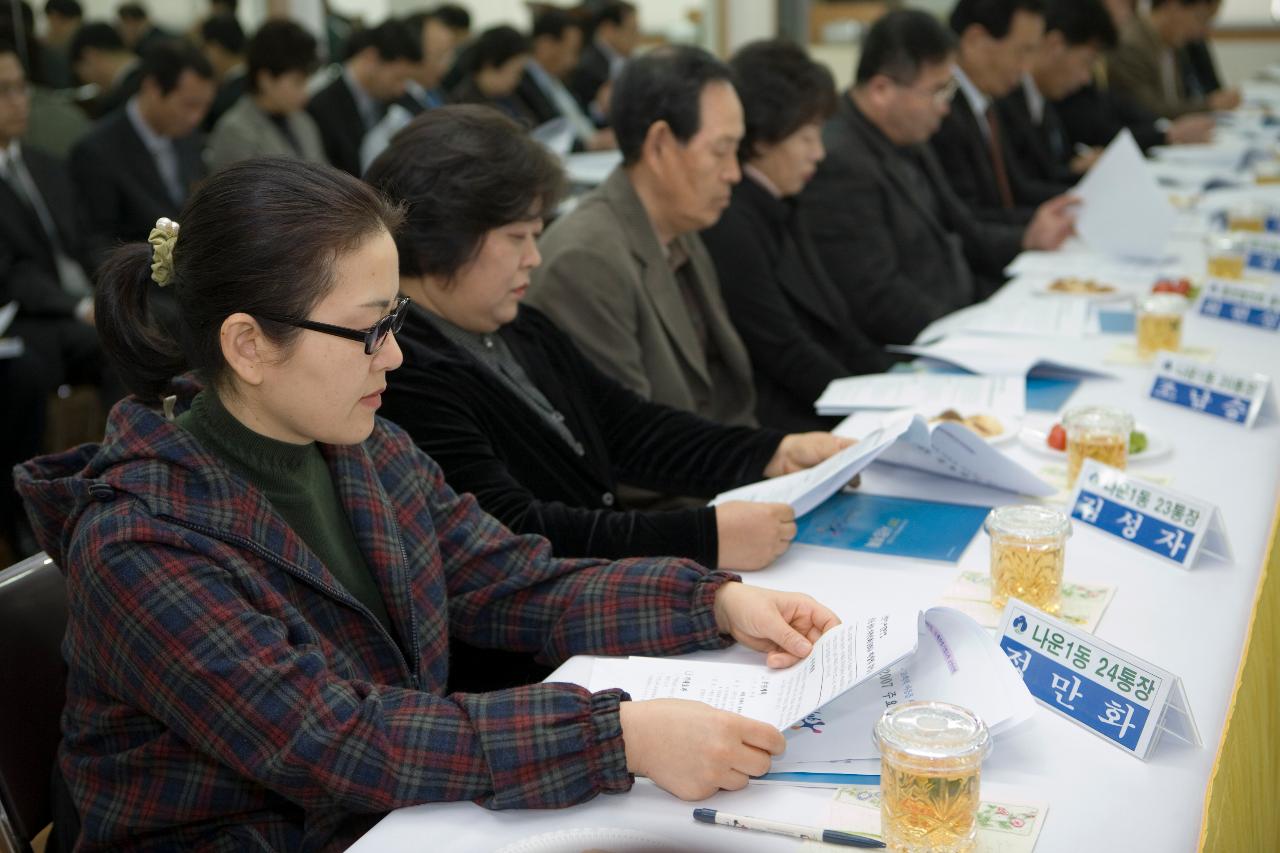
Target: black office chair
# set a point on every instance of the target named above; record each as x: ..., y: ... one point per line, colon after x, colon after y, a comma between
x: 33, y: 617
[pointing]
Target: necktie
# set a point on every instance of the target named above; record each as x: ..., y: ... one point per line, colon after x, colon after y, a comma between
x: 997, y: 159
x: 72, y: 277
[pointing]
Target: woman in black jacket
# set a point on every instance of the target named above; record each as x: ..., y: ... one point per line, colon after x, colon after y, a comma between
x: 795, y: 324
x: 510, y: 408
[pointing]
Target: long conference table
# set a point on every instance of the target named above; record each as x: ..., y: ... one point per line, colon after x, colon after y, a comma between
x: 1216, y: 625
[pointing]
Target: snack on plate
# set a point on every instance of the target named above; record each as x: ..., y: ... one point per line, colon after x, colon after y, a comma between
x: 1079, y: 285
x: 986, y: 426
x: 1057, y: 439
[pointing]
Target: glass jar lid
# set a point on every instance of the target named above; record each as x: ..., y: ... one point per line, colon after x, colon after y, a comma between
x: 1028, y: 521
x: 1099, y: 418
x: 1163, y: 303
x: 933, y: 730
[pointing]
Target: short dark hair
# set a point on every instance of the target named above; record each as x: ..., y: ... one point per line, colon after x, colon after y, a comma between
x: 20, y: 40
x: 131, y: 12
x: 65, y: 8
x: 900, y: 43
x: 165, y: 61
x: 994, y: 16
x: 452, y: 16
x: 260, y: 236
x: 553, y: 23
x: 495, y: 47
x: 231, y: 5
x: 460, y: 171
x: 392, y: 39
x: 224, y: 31
x: 781, y: 89
x: 278, y: 47
x: 96, y: 35
x: 664, y: 84
x: 614, y: 12
x: 1155, y: 3
x: 1081, y: 22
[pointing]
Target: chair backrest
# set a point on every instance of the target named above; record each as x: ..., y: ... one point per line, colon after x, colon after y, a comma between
x: 33, y: 618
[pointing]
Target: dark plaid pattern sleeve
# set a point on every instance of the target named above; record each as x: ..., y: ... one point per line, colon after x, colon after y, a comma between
x: 222, y: 685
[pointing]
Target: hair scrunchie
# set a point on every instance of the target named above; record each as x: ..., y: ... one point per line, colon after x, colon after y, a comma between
x: 162, y: 239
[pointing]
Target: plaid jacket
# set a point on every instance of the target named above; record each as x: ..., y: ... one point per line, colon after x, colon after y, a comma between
x: 225, y: 693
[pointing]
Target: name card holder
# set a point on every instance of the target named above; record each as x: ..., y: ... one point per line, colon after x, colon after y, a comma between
x: 1262, y: 255
x: 1234, y: 396
x: 1160, y: 521
x: 1120, y: 697
x: 1247, y: 304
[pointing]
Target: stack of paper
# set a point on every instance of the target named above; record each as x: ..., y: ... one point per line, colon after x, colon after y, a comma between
x: 1007, y: 357
x: 926, y: 393
x: 1068, y: 318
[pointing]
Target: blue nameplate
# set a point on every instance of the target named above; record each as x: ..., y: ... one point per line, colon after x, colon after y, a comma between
x: 1121, y: 698
x: 1236, y: 397
x: 1247, y: 304
x: 1174, y: 527
x: 1262, y: 254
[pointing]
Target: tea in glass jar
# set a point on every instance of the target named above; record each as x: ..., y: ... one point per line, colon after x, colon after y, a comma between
x: 1096, y: 432
x: 1224, y: 256
x: 1159, y: 323
x: 1028, y: 552
x: 930, y: 760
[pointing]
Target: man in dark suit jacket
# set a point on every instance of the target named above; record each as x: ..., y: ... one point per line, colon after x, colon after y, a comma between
x: 1076, y: 32
x: 542, y: 93
x: 901, y: 246
x: 44, y: 269
x: 382, y: 59
x: 615, y: 30
x: 140, y: 163
x: 995, y: 42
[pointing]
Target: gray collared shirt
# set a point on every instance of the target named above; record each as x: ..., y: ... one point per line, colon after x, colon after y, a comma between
x: 492, y: 351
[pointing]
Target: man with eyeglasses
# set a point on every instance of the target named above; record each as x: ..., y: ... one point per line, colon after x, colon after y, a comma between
x: 898, y: 242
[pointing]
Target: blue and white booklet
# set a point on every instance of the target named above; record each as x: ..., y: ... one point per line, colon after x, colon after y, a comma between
x: 897, y: 527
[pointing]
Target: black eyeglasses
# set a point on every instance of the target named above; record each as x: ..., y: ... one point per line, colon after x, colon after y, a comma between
x: 373, y: 337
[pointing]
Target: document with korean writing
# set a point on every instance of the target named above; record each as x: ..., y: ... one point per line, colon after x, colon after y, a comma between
x: 955, y: 661
x: 844, y: 657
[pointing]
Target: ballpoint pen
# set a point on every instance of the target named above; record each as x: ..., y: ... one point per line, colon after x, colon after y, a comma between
x: 792, y: 830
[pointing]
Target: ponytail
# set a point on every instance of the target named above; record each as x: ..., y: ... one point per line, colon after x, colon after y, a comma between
x: 130, y: 312
x: 259, y: 237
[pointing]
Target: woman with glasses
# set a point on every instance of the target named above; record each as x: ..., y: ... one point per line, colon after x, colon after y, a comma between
x: 796, y: 325
x: 263, y: 576
x: 512, y: 411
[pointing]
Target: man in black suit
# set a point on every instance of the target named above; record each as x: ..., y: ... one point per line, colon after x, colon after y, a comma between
x: 995, y: 41
x: 381, y: 60
x: 98, y: 56
x: 1076, y: 32
x: 1095, y: 113
x: 894, y: 237
x: 542, y: 93
x: 140, y: 163
x: 615, y: 31
x: 44, y: 269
